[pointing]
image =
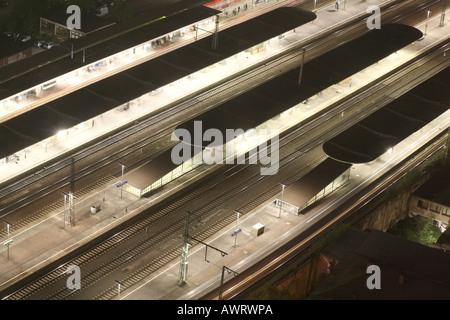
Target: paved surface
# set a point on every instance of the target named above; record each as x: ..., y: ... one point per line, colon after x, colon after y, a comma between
x: 48, y: 240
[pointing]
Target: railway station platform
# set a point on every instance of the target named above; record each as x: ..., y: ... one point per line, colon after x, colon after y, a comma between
x: 48, y: 240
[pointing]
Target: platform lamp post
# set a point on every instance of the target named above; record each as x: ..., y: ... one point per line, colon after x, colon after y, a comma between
x: 215, y: 34
x: 426, y: 25
x: 8, y: 226
x: 282, y: 193
x: 8, y: 242
x: 123, y: 169
x: 182, y: 274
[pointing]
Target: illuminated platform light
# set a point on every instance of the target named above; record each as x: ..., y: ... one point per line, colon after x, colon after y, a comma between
x: 62, y: 134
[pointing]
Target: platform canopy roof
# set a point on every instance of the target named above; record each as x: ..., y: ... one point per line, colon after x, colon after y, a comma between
x: 151, y: 171
x: 50, y: 64
x: 283, y: 92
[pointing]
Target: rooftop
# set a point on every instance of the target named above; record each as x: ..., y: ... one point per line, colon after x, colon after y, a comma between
x: 436, y: 189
